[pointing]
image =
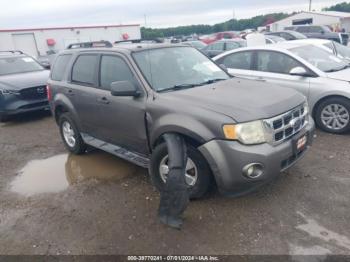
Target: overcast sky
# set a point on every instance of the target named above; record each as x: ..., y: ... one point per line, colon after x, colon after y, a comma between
x: 159, y: 13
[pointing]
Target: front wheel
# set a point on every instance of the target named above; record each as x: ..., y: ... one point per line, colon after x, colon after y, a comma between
x: 198, y: 174
x: 333, y: 115
x: 70, y: 135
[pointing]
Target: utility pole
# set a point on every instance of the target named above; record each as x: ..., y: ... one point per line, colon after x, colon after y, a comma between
x: 145, y: 20
x: 310, y: 5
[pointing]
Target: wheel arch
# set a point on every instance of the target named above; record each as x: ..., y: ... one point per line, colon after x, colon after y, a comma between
x: 317, y: 104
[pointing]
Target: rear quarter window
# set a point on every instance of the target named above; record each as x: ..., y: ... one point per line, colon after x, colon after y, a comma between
x: 59, y: 67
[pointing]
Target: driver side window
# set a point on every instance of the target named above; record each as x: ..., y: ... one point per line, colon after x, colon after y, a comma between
x: 275, y: 62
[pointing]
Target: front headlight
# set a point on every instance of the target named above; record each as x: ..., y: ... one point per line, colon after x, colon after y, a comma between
x: 247, y: 133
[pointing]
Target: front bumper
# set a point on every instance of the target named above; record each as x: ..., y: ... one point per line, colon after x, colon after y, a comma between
x: 228, y: 158
x: 13, y: 105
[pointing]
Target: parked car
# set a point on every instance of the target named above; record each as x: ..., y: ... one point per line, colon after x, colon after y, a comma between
x: 333, y: 47
x: 289, y: 35
x: 122, y: 100
x: 218, y: 36
x: 22, y: 84
x: 322, y: 77
x: 196, y: 44
x: 222, y: 46
x: 273, y: 39
x: 322, y: 32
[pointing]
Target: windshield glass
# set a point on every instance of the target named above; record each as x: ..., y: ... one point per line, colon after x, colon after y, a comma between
x: 320, y: 58
x: 298, y: 35
x: 166, y: 68
x: 342, y: 50
x: 14, y: 65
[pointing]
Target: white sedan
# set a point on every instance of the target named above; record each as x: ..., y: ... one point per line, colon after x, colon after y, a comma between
x: 322, y: 77
x: 330, y: 46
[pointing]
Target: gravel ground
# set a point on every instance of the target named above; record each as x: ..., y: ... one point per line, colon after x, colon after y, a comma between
x: 55, y: 203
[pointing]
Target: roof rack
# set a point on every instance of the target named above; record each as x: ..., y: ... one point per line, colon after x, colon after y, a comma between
x: 141, y: 41
x: 90, y: 44
x: 12, y: 52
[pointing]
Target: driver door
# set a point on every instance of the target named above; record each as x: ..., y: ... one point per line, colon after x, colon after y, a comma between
x: 274, y: 67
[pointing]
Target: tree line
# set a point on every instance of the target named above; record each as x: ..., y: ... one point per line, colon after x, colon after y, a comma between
x: 342, y: 7
x: 231, y: 25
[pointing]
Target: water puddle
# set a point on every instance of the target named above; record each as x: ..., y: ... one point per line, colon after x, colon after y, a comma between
x: 56, y: 173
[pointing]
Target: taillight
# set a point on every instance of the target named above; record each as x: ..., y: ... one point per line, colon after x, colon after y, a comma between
x: 48, y: 92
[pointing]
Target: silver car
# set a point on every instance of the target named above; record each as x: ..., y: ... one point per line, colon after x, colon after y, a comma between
x: 322, y: 77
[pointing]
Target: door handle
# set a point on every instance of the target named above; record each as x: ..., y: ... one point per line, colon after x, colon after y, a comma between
x: 103, y: 100
x: 260, y: 78
x: 70, y: 92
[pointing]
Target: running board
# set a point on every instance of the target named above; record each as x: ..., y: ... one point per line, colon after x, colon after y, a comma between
x: 118, y: 151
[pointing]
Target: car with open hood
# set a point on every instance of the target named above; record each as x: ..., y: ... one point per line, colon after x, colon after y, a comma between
x: 240, y: 133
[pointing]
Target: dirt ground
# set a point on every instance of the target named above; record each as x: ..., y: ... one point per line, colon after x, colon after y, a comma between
x: 55, y: 203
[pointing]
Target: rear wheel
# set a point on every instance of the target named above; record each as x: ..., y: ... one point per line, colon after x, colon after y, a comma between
x: 70, y: 135
x: 333, y: 115
x: 198, y: 174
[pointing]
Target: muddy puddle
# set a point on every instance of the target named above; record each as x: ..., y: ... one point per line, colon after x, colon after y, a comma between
x: 57, y: 173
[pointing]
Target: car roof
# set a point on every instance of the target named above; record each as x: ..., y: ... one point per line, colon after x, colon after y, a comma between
x: 313, y: 41
x: 126, y: 48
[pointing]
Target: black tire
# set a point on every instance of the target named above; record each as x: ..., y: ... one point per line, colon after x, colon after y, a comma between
x: 204, y: 177
x: 332, y: 101
x: 79, y: 146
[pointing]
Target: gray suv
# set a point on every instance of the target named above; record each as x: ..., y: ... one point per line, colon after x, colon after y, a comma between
x: 240, y: 133
x: 320, y: 31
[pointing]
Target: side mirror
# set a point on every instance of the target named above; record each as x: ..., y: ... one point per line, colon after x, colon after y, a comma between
x: 45, y: 65
x: 124, y: 88
x: 298, y: 71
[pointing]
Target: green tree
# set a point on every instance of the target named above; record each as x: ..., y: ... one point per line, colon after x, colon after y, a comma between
x: 342, y: 7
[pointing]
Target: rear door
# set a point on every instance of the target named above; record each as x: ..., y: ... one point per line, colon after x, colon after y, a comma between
x: 82, y: 90
x: 121, y: 120
x: 238, y: 64
x: 274, y: 67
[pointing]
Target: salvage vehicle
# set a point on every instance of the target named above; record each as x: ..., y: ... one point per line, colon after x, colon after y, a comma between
x: 320, y: 31
x: 333, y: 47
x: 289, y: 35
x: 196, y: 44
x: 22, y: 84
x: 322, y: 77
x: 222, y: 46
x: 272, y: 39
x: 122, y: 100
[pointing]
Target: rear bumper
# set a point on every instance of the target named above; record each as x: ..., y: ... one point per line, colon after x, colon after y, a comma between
x: 228, y: 158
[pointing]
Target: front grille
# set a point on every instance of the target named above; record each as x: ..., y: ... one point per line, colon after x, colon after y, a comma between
x: 31, y: 93
x: 285, y: 126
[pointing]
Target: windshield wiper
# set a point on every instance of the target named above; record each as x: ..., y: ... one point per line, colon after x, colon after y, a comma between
x: 186, y: 86
x: 178, y: 87
x: 337, y: 69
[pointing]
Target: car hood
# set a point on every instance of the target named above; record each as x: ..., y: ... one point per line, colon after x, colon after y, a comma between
x: 24, y: 80
x: 241, y: 99
x: 343, y: 75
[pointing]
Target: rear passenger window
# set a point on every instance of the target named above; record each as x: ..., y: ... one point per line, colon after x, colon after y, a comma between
x: 84, y: 69
x: 241, y: 60
x: 59, y: 67
x: 114, y: 69
x: 275, y: 62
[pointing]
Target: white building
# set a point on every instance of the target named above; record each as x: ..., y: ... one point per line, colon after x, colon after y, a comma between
x: 339, y: 20
x: 41, y: 41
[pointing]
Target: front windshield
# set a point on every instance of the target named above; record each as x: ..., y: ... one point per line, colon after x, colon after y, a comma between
x: 14, y: 65
x: 320, y: 58
x: 167, y: 68
x: 342, y: 50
